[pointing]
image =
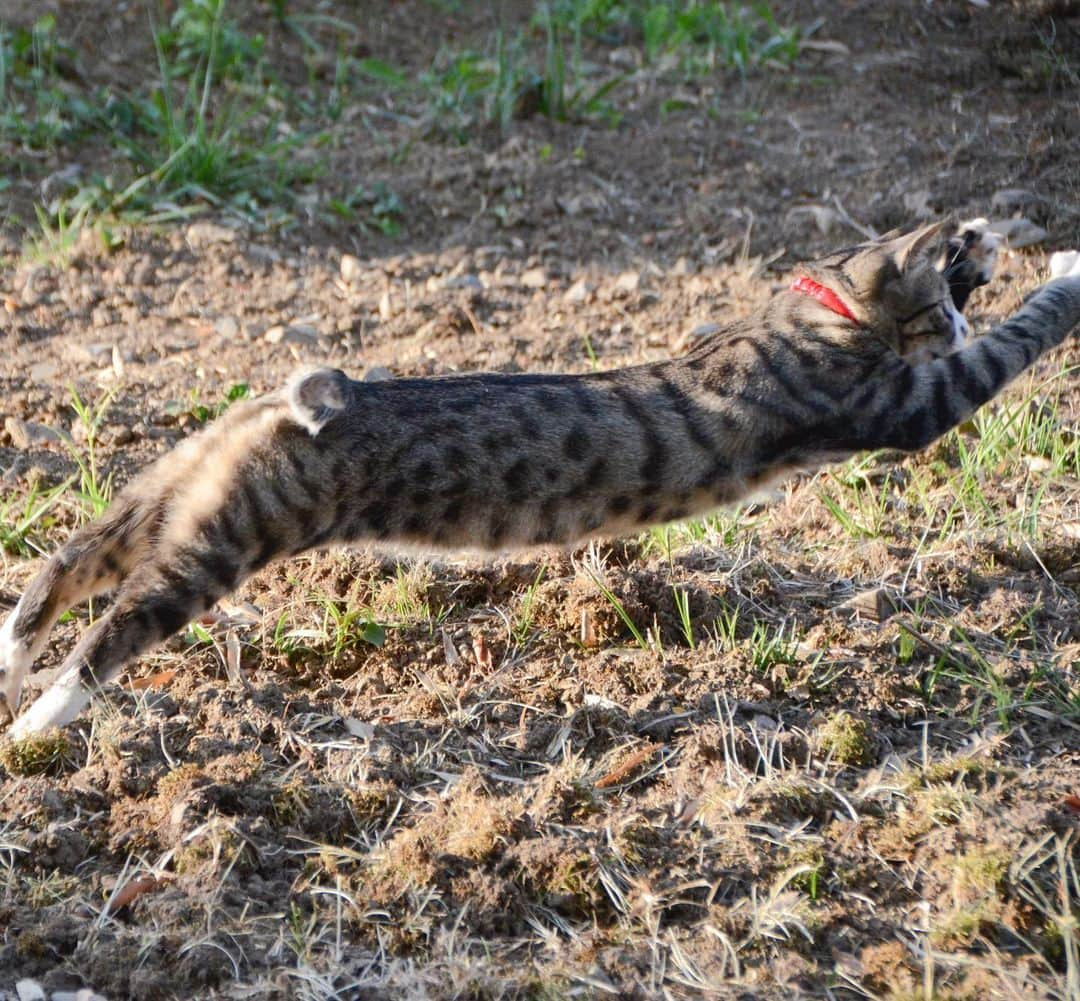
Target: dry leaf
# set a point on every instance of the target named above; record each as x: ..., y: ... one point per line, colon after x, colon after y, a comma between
x: 159, y: 680
x: 358, y: 728
x: 132, y: 891
x: 620, y: 773
x: 481, y: 651
x: 233, y: 669
x: 449, y: 650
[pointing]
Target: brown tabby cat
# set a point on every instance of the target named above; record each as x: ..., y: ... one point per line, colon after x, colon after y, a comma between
x: 864, y: 351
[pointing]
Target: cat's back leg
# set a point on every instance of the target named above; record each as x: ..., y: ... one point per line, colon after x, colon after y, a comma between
x: 95, y: 559
x: 156, y: 600
x: 162, y: 503
x: 262, y: 491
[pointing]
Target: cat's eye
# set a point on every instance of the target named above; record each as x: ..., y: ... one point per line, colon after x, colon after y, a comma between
x: 904, y: 320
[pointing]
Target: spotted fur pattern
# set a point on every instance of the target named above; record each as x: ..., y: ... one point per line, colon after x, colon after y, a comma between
x: 496, y: 461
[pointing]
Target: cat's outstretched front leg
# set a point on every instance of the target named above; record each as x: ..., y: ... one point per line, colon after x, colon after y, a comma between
x: 915, y: 405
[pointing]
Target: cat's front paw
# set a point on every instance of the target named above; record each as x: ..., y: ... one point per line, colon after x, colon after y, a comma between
x: 1065, y: 264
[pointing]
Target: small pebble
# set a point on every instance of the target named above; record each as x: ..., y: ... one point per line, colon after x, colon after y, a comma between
x: 704, y: 330
x: 200, y: 235
x: 534, y: 278
x: 227, y: 327
x: 299, y: 333
x: 470, y: 282
x: 351, y: 269
x: 26, y: 434
x: 578, y: 292
x: 43, y: 371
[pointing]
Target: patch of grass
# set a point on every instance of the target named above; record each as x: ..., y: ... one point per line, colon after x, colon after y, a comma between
x: 725, y: 529
x: 620, y: 610
x: 467, y: 89
x: 209, y: 130
x: 1005, y: 441
x: 54, y: 888
x: 471, y: 825
x: 980, y: 871
x: 1046, y: 875
x: 807, y: 870
x: 376, y: 207
x: 726, y: 628
x: 291, y: 802
x: 95, y: 491
x: 26, y: 522
x: 39, y: 108
x: 987, y: 683
x: 963, y: 924
x: 681, y: 598
x: 200, y: 36
x: 213, y: 846
x: 770, y: 647
x: 546, y: 70
x: 346, y: 627
x: 522, y: 624
x: 698, y: 36
x: 845, y: 739
x: 39, y: 754
x: 59, y: 232
x: 205, y: 413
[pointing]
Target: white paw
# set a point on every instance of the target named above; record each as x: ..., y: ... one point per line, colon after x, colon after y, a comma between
x: 59, y: 704
x: 1065, y: 264
x: 984, y: 247
x: 16, y: 659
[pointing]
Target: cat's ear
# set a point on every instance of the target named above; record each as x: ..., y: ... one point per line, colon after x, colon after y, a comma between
x: 907, y: 249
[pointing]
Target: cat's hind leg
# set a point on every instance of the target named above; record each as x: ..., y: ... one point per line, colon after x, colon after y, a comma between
x: 95, y: 559
x: 154, y: 601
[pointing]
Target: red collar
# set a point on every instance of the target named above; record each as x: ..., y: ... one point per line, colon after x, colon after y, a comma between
x: 827, y: 297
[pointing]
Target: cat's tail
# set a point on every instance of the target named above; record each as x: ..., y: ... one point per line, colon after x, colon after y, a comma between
x: 316, y: 396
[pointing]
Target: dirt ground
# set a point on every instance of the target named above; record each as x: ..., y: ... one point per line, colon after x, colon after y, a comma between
x: 384, y: 775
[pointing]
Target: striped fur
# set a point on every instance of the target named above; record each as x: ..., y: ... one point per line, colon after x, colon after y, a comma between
x: 496, y: 461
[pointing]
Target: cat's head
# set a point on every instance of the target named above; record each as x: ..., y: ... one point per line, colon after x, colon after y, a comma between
x: 892, y: 290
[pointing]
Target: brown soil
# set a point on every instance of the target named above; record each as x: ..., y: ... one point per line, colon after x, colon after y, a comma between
x: 511, y: 797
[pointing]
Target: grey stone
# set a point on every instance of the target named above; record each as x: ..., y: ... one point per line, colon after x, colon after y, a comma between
x: 1018, y: 232
x: 44, y: 371
x: 704, y: 330
x: 227, y: 326
x: 470, y: 282
x: 26, y: 434
x: 1014, y: 199
x: 299, y: 333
